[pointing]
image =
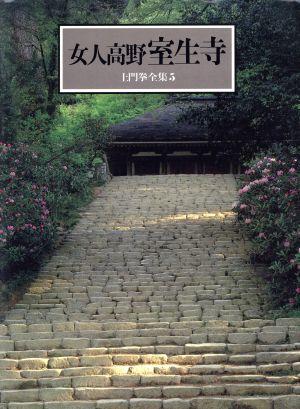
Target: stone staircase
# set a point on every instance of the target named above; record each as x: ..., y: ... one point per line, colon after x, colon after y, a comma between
x: 150, y: 303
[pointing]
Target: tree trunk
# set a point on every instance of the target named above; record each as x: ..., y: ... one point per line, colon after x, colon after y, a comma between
x: 52, y: 78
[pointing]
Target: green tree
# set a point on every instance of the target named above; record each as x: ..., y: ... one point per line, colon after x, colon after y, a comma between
x: 33, y: 28
x: 264, y: 108
x: 161, y: 11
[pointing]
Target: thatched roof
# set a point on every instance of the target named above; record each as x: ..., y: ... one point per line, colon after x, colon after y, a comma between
x: 159, y: 125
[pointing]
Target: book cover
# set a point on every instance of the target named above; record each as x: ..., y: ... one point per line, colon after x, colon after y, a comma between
x: 149, y: 204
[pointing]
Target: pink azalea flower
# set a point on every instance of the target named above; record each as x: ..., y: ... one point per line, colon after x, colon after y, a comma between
x: 279, y: 172
x: 298, y: 290
x: 292, y: 170
x: 248, y: 221
x: 243, y: 206
x: 245, y: 189
x: 262, y: 235
x: 286, y: 243
x: 12, y: 174
x: 10, y: 227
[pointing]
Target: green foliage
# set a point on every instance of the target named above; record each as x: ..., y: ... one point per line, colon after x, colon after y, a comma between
x: 115, y: 108
x: 150, y: 12
x: 84, y: 127
x: 268, y: 211
x: 28, y: 59
x: 30, y: 33
x: 264, y: 108
x: 161, y: 11
x: 293, y: 313
x: 25, y: 225
x: 55, y: 170
x: 38, y: 195
x: 57, y: 140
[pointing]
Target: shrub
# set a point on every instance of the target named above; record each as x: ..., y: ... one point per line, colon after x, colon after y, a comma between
x: 25, y: 226
x: 37, y: 196
x: 67, y: 183
x: 269, y: 212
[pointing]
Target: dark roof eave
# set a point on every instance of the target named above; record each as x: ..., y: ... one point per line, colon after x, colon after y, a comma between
x: 186, y: 142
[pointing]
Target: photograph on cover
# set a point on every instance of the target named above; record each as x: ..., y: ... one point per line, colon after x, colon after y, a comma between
x: 149, y: 204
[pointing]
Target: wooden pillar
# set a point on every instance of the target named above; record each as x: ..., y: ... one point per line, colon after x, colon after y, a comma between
x: 164, y: 164
x: 160, y: 167
x: 196, y: 166
x: 132, y: 168
x: 168, y: 168
x: 128, y: 167
x: 230, y: 167
x: 239, y: 168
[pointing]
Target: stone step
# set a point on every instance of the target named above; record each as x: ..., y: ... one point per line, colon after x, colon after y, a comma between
x: 195, y: 343
x: 232, y: 349
x: 210, y: 324
x: 261, y: 402
x: 150, y: 303
x: 162, y: 336
x: 221, y: 391
x: 75, y: 326
x: 127, y: 375
x: 14, y: 359
x: 261, y: 352
x: 230, y: 334
x: 148, y: 363
x: 269, y: 335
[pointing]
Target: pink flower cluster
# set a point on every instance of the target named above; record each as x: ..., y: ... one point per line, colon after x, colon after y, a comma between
x: 255, y: 182
x: 5, y: 147
x: 25, y: 207
x: 29, y: 226
x: 245, y: 189
x: 268, y: 209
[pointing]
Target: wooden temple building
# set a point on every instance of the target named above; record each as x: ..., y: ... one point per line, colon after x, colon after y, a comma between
x: 156, y: 143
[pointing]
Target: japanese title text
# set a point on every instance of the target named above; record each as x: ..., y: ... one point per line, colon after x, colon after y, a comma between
x: 161, y: 52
